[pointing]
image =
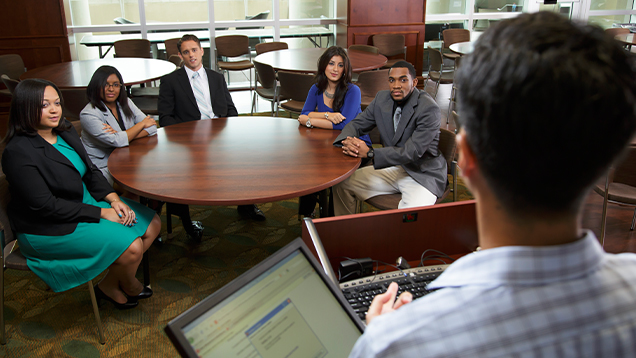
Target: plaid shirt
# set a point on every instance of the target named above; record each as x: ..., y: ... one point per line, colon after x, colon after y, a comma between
x: 570, y: 300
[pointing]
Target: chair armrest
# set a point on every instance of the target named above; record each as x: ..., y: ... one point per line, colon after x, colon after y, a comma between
x: 454, y: 174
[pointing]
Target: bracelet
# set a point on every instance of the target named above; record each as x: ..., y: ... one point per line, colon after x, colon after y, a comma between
x: 114, y: 201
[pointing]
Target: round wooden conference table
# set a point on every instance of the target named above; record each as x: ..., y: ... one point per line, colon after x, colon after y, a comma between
x: 231, y: 161
x: 462, y: 48
x: 77, y: 74
x: 306, y: 60
x: 626, y: 39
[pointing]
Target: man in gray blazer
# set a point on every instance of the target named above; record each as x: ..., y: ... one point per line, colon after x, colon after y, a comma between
x: 409, y: 163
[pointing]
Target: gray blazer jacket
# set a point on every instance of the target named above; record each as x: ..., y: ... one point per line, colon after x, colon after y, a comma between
x: 100, y: 144
x: 413, y: 145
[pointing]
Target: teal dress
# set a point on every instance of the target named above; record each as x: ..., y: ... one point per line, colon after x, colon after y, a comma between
x: 67, y: 261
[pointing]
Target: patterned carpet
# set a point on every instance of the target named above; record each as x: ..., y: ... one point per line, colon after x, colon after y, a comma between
x: 40, y: 322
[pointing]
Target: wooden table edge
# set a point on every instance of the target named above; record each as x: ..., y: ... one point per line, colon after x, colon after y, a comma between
x: 232, y: 202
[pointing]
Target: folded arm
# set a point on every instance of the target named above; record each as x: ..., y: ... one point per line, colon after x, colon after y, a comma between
x: 149, y: 127
x: 426, y: 130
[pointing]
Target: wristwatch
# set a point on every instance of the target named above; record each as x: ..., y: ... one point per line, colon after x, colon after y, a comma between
x: 327, y: 115
x: 370, y: 153
x: 308, y: 124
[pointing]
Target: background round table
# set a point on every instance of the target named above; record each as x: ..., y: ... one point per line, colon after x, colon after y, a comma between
x: 306, y: 60
x: 462, y: 48
x: 231, y: 161
x: 77, y: 74
x: 626, y: 39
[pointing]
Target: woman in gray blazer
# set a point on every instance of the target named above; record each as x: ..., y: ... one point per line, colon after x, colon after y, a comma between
x: 111, y: 120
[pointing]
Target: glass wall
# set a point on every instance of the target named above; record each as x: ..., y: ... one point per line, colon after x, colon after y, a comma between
x: 232, y: 10
x: 611, y: 5
x: 175, y: 11
x: 279, y: 19
x: 608, y: 21
x: 102, y: 12
x: 611, y: 13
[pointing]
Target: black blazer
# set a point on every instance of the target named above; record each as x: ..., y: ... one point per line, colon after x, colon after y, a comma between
x: 46, y: 189
x: 177, y: 103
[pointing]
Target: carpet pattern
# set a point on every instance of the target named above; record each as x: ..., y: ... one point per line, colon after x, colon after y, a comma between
x: 41, y: 323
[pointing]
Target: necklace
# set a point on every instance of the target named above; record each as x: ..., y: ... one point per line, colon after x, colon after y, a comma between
x: 329, y: 95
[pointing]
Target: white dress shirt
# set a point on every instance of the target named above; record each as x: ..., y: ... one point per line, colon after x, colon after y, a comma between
x: 203, y: 76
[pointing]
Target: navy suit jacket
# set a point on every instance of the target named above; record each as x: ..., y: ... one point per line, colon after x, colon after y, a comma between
x: 177, y: 103
x: 46, y: 189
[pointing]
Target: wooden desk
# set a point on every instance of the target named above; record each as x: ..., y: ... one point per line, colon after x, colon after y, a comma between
x: 231, y: 161
x: 76, y: 74
x: 462, y: 48
x: 311, y: 33
x: 386, y: 235
x: 306, y: 60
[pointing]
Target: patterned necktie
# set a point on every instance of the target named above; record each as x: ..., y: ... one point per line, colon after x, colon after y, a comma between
x: 396, y: 118
x: 197, y: 88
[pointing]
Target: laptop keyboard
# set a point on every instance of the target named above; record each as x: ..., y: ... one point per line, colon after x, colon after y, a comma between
x: 360, y: 292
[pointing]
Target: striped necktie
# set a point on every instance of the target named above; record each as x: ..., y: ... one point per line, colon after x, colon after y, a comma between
x: 396, y: 118
x: 197, y: 88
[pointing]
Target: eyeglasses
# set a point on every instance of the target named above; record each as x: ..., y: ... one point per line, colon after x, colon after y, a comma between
x: 115, y: 85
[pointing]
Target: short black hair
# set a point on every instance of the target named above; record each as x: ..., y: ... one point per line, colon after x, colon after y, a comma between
x: 404, y: 64
x: 187, y: 37
x: 546, y: 105
x: 25, y: 113
x: 97, y: 85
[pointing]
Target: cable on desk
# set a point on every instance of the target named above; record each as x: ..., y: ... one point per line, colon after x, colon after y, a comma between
x: 434, y: 257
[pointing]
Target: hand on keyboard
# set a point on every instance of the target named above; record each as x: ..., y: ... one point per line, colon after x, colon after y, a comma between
x: 360, y: 292
x: 386, y: 302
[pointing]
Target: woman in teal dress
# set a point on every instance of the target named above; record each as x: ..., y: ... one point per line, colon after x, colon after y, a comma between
x: 69, y: 222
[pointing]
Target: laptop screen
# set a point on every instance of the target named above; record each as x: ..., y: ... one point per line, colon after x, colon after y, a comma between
x: 286, y: 309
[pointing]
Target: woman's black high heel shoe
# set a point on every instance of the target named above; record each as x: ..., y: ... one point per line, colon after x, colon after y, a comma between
x: 100, y: 295
x: 145, y: 293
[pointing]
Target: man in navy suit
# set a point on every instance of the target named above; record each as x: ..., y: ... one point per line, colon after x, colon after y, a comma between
x: 192, y: 93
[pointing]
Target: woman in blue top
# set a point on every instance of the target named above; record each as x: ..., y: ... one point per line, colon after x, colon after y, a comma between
x: 332, y: 102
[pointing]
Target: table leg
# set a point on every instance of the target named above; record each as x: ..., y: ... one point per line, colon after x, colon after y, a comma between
x: 313, y: 41
x: 105, y: 53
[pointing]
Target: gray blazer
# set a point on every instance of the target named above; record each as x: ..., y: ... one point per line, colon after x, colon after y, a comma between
x: 413, y: 145
x: 100, y: 144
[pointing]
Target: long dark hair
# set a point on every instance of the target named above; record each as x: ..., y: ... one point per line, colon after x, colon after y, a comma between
x: 26, y: 109
x: 96, y: 88
x: 322, y: 81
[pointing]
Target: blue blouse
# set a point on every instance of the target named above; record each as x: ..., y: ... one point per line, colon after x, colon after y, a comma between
x: 350, y: 109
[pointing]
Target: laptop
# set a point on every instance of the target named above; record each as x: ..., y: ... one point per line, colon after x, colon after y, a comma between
x: 283, y: 307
